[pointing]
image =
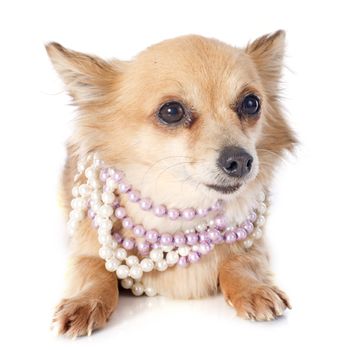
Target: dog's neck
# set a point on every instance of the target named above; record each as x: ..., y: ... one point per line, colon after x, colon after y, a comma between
x: 162, y: 239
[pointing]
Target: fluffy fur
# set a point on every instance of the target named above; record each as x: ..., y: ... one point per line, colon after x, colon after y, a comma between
x: 117, y: 103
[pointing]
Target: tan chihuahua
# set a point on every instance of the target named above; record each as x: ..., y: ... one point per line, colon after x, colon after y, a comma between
x: 190, y: 122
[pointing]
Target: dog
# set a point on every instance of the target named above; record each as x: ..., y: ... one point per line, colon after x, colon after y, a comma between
x: 188, y: 122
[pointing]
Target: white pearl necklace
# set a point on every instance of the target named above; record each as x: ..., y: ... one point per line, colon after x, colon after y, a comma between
x: 129, y: 268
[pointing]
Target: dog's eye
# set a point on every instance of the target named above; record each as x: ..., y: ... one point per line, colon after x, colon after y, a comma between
x: 250, y: 105
x: 171, y: 112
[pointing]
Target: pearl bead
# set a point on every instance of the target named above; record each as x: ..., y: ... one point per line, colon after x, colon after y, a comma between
x: 122, y: 271
x: 85, y: 190
x: 241, y: 233
x: 108, y: 197
x: 188, y: 213
x: 159, y: 210
x: 121, y: 254
x: 161, y: 265
x: 111, y: 185
x: 112, y: 264
x: 105, y: 224
x: 89, y: 172
x: 173, y: 213
x: 204, y: 248
x: 146, y: 203
x: 147, y: 264
x: 105, y: 239
x: 193, y: 257
x: 248, y: 243
x: 152, y: 236
x: 136, y: 272
x: 113, y: 244
x: 118, y: 175
x: 220, y: 221
x: 215, y: 235
x: 230, y: 237
x: 192, y: 238
x: 120, y: 213
x: 139, y: 231
x: 127, y: 283
x: 258, y: 233
x: 104, y: 175
x: 128, y: 243
x: 172, y: 258
x: 211, y: 223
x: 105, y: 252
x: 262, y: 208
x: 77, y: 214
x: 184, y: 250
x: 150, y: 291
x: 252, y: 216
x: 166, y: 239
x: 183, y: 262
x: 127, y: 223
x: 105, y: 211
x: 261, y: 196
x: 117, y: 237
x: 124, y: 187
x: 75, y: 191
x: 134, y: 196
x: 156, y: 254
x: 203, y: 236
x: 137, y: 289
x: 132, y: 260
x: 248, y: 226
x: 179, y: 239
x: 201, y: 212
x: 143, y: 247
x: 260, y: 221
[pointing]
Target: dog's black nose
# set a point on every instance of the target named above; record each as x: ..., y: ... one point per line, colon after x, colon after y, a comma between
x: 235, y: 161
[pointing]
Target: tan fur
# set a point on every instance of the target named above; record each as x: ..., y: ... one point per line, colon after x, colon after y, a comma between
x: 117, y: 103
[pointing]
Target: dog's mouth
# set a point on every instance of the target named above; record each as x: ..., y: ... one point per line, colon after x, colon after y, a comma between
x: 225, y: 189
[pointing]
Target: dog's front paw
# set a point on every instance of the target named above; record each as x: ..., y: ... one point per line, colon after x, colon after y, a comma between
x: 79, y: 316
x: 260, y: 303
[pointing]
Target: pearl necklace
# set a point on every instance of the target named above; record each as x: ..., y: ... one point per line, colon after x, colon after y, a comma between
x: 96, y: 198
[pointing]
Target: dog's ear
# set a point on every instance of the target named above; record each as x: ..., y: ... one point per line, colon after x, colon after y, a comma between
x: 267, y: 53
x: 87, y: 78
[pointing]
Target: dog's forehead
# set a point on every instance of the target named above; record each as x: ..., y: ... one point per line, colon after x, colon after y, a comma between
x: 193, y: 63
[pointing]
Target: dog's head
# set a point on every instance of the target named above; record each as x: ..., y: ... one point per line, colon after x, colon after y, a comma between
x: 192, y: 110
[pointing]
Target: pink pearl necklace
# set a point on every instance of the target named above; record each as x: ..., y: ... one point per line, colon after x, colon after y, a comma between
x: 160, y: 210
x: 98, y: 197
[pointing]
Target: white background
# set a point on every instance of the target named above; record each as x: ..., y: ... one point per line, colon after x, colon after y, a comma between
x: 308, y: 230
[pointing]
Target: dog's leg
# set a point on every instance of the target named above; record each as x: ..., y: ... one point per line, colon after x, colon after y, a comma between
x: 92, y: 296
x: 246, y: 284
x: 92, y: 291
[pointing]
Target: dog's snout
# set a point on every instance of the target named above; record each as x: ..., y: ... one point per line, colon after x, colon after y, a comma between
x: 235, y: 161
